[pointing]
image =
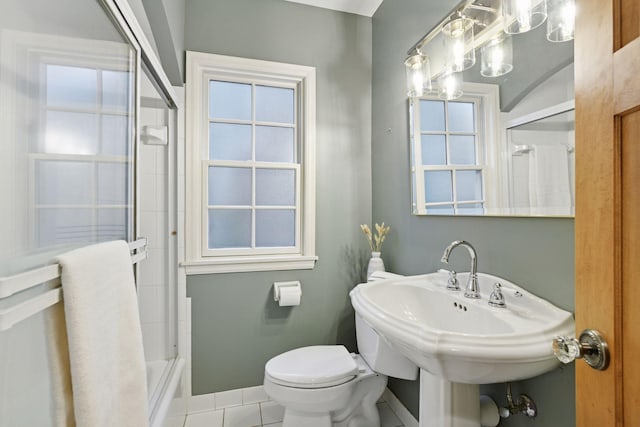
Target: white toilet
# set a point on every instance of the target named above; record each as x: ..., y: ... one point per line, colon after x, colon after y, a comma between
x: 326, y: 386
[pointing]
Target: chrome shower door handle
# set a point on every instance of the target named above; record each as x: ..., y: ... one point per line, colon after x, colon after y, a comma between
x: 590, y: 346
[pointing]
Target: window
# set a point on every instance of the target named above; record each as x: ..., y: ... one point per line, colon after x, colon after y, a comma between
x: 82, y: 158
x: 250, y: 165
x: 67, y: 142
x: 450, y: 145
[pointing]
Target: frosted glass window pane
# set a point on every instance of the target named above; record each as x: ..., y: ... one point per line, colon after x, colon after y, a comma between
x: 462, y: 149
x: 229, y: 100
x: 275, y: 228
x: 471, y: 209
x: 434, y: 150
x: 469, y: 185
x: 274, y: 104
x: 71, y: 133
x: 274, y: 144
x: 229, y: 186
x: 112, y: 183
x: 112, y: 224
x: 64, y: 182
x: 432, y: 116
x: 275, y: 187
x: 57, y: 226
x: 72, y: 87
x: 461, y: 117
x: 438, y: 186
x: 440, y: 210
x: 229, y: 141
x: 229, y: 228
x: 116, y: 87
x: 115, y: 135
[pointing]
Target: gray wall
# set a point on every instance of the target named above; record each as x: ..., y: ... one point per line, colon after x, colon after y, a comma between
x: 167, y: 23
x: 236, y: 325
x: 535, y: 253
x: 534, y: 61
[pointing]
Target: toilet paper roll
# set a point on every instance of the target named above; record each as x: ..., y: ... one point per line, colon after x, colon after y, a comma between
x: 290, y: 296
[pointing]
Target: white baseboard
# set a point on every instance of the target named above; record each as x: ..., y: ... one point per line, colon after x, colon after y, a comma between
x: 400, y: 410
x: 250, y: 395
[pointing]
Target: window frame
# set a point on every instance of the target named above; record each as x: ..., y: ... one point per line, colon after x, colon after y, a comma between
x: 199, y: 258
x: 485, y: 98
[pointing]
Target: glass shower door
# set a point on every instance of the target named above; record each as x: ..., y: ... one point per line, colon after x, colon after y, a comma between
x: 157, y: 275
x: 67, y: 132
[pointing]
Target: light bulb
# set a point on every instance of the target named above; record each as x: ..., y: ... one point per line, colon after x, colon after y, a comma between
x: 497, y: 57
x: 561, y: 22
x: 418, y: 75
x: 521, y: 16
x: 450, y: 85
x: 459, y: 40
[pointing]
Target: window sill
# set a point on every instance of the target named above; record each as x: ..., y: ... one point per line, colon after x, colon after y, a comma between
x: 248, y: 264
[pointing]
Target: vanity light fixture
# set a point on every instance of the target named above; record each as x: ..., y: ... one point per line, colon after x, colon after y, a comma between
x: 561, y: 20
x: 497, y: 56
x: 418, y: 75
x: 486, y: 25
x: 458, y: 40
x: 521, y: 16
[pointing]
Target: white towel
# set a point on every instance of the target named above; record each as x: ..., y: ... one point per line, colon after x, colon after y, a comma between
x: 549, y: 185
x: 100, y: 377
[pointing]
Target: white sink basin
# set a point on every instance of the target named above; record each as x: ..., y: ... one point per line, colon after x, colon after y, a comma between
x: 459, y: 339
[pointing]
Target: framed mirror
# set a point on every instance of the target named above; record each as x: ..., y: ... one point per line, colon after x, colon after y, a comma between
x: 482, y: 138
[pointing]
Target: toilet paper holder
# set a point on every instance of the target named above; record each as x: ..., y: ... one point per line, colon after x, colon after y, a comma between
x: 278, y: 286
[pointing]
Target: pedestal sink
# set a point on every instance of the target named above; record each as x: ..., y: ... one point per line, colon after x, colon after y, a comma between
x: 459, y: 343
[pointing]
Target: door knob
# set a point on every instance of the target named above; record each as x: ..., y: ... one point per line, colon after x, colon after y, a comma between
x: 590, y: 346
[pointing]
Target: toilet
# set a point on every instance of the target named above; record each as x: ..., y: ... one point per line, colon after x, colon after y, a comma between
x: 326, y: 386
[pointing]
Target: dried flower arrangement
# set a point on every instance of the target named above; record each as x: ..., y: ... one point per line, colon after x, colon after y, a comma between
x: 375, y: 241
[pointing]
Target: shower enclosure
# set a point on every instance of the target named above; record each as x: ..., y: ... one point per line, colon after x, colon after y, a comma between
x: 87, y: 154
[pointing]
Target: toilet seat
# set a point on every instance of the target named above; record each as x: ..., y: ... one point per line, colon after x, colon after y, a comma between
x: 313, y: 367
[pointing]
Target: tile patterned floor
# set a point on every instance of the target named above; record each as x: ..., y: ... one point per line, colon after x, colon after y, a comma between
x: 265, y: 414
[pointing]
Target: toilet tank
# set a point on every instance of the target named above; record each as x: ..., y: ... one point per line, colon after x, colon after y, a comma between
x: 380, y: 356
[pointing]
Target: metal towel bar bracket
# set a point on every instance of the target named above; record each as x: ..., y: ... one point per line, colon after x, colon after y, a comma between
x: 17, y: 283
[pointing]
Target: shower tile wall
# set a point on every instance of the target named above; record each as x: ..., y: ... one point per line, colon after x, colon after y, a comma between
x: 153, y: 274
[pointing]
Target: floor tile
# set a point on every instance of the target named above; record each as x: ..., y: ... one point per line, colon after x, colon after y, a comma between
x: 271, y: 412
x: 205, y: 419
x: 242, y: 416
x: 273, y: 425
x: 387, y: 417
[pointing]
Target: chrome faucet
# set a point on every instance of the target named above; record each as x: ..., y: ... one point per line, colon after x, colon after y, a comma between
x: 472, y: 290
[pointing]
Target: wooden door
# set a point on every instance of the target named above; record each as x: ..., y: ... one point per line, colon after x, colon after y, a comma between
x: 607, y: 60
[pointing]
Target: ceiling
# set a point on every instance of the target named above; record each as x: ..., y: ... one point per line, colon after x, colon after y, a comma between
x: 360, y: 7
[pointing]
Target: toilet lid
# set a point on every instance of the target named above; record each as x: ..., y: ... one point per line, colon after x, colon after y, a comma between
x: 315, y: 366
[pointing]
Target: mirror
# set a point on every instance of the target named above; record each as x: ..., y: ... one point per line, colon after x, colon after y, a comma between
x: 542, y: 163
x: 494, y: 180
x: 461, y: 167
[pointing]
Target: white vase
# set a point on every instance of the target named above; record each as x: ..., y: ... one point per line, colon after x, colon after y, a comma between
x: 375, y: 264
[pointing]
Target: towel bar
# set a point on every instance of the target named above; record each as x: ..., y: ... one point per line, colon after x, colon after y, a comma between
x: 11, y: 285
x: 519, y: 150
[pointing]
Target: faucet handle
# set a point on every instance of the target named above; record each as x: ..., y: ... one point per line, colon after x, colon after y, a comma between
x: 496, y: 299
x: 452, y: 283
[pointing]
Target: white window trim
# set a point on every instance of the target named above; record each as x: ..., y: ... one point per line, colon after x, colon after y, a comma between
x: 200, y: 67
x: 492, y: 170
